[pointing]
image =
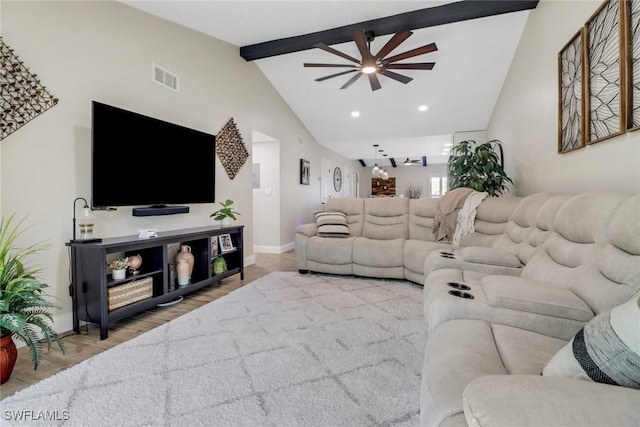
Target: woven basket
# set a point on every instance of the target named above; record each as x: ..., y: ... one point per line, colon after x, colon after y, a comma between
x: 119, y: 296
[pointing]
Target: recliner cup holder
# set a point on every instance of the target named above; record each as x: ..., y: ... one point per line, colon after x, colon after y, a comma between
x: 460, y: 286
x: 461, y: 294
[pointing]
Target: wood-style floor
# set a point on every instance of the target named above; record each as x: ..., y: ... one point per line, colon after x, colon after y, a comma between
x: 87, y: 343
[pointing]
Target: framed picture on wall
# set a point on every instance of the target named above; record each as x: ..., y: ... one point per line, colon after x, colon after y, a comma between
x: 604, y: 112
x: 632, y: 30
x: 305, y: 172
x: 571, y: 95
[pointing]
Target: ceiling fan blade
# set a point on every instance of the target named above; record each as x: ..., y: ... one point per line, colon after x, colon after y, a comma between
x: 411, y: 53
x: 395, y: 76
x: 351, y: 81
x: 361, y: 41
x: 412, y: 66
x: 336, y: 52
x: 394, y: 42
x: 334, y: 75
x: 374, y: 81
x: 313, y: 64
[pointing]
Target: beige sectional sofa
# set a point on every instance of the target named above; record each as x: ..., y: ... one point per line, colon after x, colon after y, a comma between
x: 536, y: 273
x: 391, y: 237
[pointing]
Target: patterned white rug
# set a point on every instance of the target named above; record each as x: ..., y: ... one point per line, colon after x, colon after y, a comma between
x: 284, y: 350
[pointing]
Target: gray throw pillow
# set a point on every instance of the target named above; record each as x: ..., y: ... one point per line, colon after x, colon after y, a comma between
x: 606, y: 350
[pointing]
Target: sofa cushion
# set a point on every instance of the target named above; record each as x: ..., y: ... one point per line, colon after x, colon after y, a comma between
x: 378, y: 253
x: 386, y: 219
x: 606, y: 350
x: 332, y: 224
x: 421, y: 217
x: 491, y: 220
x: 524, y: 352
x: 416, y: 251
x: 492, y: 256
x: 329, y: 250
x: 536, y: 401
x: 519, y: 294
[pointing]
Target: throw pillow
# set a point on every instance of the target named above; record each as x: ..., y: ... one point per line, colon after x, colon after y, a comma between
x: 332, y: 224
x: 606, y: 350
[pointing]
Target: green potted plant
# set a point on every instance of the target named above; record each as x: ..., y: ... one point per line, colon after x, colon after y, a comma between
x: 25, y: 312
x: 225, y: 214
x: 477, y: 166
x: 118, y: 268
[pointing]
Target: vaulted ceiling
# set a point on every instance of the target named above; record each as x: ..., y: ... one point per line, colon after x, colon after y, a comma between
x: 476, y: 42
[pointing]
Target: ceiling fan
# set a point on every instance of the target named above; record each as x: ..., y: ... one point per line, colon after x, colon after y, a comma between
x: 409, y: 161
x: 372, y: 65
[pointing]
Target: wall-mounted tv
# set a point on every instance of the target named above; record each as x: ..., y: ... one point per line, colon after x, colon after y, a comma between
x: 140, y: 160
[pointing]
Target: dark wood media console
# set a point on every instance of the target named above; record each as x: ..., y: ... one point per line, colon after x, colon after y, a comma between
x: 91, y: 281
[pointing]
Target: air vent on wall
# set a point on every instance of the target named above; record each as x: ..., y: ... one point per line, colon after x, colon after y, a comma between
x: 165, y: 77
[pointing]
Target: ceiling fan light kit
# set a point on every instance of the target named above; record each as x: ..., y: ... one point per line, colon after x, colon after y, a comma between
x: 379, y: 64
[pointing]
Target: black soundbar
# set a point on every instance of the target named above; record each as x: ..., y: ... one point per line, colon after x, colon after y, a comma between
x: 160, y: 210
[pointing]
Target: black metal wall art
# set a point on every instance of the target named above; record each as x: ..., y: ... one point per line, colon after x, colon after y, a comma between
x: 22, y: 96
x: 605, y: 86
x: 632, y: 14
x: 571, y: 95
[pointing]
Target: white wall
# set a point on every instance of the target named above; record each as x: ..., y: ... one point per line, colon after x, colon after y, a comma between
x: 526, y: 115
x: 266, y: 199
x: 84, y: 51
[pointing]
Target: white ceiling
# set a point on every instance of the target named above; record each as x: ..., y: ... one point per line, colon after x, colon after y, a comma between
x: 472, y: 61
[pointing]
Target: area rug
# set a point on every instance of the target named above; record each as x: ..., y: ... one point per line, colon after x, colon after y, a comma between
x: 284, y: 350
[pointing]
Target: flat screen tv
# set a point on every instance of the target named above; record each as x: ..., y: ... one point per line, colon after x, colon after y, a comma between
x: 139, y: 160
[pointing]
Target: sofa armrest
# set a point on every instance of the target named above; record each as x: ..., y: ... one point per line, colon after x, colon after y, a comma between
x: 491, y: 256
x: 308, y: 230
x: 534, y: 400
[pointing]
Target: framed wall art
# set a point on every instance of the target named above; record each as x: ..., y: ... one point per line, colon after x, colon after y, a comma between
x: 305, y: 172
x: 631, y: 14
x: 571, y: 95
x: 605, y: 115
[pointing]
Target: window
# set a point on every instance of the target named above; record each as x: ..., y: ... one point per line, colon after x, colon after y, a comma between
x: 438, y: 186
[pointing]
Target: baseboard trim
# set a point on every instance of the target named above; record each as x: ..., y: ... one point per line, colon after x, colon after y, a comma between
x: 262, y: 249
x: 249, y: 260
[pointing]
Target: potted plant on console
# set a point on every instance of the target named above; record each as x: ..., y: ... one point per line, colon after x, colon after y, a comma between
x: 225, y: 214
x: 25, y: 312
x: 478, y: 166
x: 119, y: 268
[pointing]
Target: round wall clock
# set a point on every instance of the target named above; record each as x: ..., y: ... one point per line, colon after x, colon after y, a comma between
x: 337, y: 179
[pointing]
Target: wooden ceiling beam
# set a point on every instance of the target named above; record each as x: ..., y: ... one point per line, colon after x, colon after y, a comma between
x: 422, y: 18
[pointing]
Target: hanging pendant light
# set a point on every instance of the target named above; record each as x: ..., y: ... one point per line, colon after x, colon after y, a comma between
x: 375, y: 172
x: 384, y: 174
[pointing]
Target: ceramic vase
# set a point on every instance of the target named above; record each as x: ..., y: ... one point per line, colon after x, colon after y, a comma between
x: 186, y: 255
x: 182, y: 272
x: 8, y: 356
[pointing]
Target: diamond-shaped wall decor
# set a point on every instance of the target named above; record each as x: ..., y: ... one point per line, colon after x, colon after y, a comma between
x: 231, y: 148
x: 22, y: 97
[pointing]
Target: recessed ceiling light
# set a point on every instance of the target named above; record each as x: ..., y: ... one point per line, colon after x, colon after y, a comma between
x: 355, y: 114
x: 423, y: 108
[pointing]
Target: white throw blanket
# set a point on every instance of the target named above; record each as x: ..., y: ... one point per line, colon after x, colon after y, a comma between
x: 467, y: 216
